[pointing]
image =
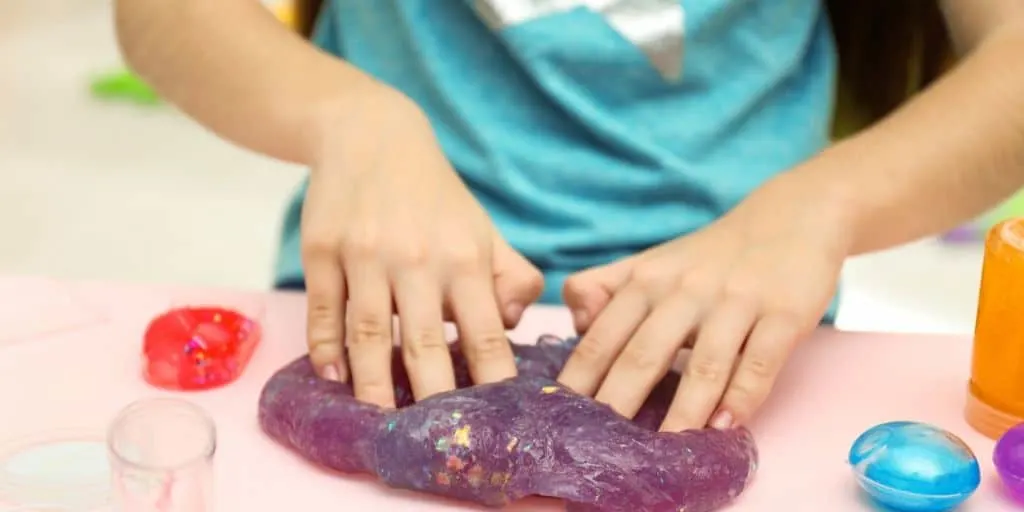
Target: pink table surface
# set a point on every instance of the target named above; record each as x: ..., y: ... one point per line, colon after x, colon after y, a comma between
x: 71, y: 370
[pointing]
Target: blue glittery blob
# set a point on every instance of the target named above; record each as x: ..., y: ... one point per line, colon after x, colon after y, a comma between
x: 914, y: 467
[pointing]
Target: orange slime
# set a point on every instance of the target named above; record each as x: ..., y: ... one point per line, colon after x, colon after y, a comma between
x: 995, y: 400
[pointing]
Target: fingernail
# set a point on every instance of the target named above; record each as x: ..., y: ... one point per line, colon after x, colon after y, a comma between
x: 331, y: 373
x: 722, y: 421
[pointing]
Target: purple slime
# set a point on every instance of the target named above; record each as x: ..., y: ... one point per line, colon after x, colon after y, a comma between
x: 1008, y: 457
x: 496, y: 443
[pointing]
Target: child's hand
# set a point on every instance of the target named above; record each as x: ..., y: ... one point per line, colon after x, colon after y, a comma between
x: 389, y: 227
x: 742, y: 293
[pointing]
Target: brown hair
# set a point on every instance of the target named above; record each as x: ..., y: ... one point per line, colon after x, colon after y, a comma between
x: 888, y: 51
x: 306, y: 12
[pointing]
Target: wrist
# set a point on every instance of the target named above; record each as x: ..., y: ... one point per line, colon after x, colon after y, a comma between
x: 362, y: 115
x: 813, y: 199
x: 837, y: 199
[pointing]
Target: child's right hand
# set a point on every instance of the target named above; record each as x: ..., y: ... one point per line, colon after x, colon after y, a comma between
x: 388, y: 227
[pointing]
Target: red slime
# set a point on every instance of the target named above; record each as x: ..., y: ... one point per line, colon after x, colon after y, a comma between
x: 197, y: 348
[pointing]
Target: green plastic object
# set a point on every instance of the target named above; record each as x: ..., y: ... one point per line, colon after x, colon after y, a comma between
x: 124, y: 86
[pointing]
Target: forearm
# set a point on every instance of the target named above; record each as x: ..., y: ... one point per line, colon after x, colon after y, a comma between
x: 948, y: 155
x: 234, y: 68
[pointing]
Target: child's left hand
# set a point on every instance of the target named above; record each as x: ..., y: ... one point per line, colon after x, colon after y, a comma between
x: 742, y: 292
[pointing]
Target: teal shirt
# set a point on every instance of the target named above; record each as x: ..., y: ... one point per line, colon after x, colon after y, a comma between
x: 594, y: 129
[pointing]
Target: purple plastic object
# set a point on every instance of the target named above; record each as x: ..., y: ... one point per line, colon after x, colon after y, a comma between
x: 963, y: 235
x: 497, y: 443
x: 1008, y: 458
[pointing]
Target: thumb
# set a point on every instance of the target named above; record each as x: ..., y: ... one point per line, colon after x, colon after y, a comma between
x: 517, y: 283
x: 586, y: 293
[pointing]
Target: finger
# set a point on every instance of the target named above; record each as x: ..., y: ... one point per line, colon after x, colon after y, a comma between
x: 710, y: 366
x: 325, y: 313
x: 481, y: 331
x: 591, y: 359
x: 368, y: 333
x: 517, y: 283
x: 649, y: 355
x: 587, y: 293
x: 770, y: 344
x: 424, y: 349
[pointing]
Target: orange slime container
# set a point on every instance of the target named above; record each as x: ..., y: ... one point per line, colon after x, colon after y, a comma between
x: 995, y: 398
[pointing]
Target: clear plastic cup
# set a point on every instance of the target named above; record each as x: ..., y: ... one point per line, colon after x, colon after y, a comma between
x: 161, y: 457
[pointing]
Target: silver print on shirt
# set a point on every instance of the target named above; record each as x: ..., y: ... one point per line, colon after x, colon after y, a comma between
x: 654, y: 26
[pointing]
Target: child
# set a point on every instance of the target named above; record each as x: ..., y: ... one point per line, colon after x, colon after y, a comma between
x: 664, y: 166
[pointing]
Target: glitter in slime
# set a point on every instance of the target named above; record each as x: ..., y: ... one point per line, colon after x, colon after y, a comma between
x: 195, y: 348
x: 494, y: 444
x: 914, y: 467
x: 995, y: 398
x: 1008, y: 458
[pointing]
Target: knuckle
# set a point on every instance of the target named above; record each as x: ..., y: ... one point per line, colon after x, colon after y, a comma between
x: 318, y: 247
x: 421, y: 342
x: 320, y: 311
x: 648, y: 277
x: 572, y: 288
x: 368, y: 329
x: 706, y: 370
x: 642, y: 360
x: 413, y: 255
x: 790, y: 320
x: 491, y: 345
x: 361, y: 245
x: 591, y: 351
x: 759, y: 368
x: 701, y: 282
x: 323, y: 325
x: 531, y: 287
x: 573, y: 283
x: 465, y: 258
x: 739, y: 293
x: 534, y: 280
